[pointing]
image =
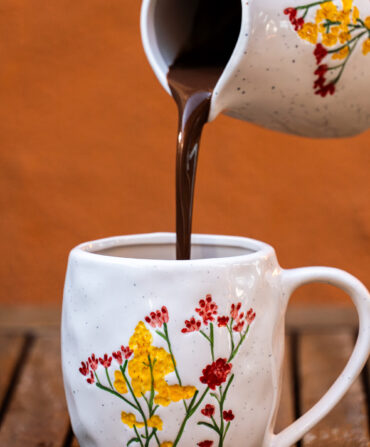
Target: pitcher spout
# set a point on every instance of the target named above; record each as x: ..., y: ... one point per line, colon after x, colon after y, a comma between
x: 167, y: 25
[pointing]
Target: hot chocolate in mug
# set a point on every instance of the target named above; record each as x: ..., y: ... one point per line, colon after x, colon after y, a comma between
x: 158, y: 352
x: 298, y: 66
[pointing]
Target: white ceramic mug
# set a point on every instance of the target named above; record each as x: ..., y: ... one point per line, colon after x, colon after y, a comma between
x: 298, y: 66
x: 158, y: 352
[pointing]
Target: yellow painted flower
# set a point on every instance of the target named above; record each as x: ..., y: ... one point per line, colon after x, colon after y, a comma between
x: 142, y: 374
x: 119, y: 382
x: 355, y: 15
x: 344, y: 37
x: 172, y: 393
x: 166, y: 444
x: 141, y: 339
x: 319, y: 16
x: 155, y: 422
x: 139, y: 369
x: 366, y: 47
x: 329, y: 39
x: 347, y: 5
x: 335, y: 30
x: 342, y: 54
x: 367, y: 22
x: 309, y: 32
x: 344, y: 17
x: 329, y: 11
x: 130, y: 420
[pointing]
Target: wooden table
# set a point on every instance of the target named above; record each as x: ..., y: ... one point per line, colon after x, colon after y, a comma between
x: 33, y: 410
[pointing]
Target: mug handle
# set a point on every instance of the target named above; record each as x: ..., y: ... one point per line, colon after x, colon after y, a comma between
x: 292, y: 279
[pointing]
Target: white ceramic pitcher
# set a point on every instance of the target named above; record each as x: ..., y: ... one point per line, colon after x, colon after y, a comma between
x: 298, y: 66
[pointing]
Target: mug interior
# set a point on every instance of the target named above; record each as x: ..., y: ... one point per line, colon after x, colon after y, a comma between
x: 167, y: 252
x: 162, y: 247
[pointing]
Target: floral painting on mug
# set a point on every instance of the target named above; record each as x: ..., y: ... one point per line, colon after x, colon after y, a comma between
x: 335, y: 30
x: 140, y: 379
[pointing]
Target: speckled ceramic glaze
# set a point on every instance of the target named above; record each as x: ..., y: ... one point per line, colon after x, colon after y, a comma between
x: 158, y: 352
x: 299, y: 67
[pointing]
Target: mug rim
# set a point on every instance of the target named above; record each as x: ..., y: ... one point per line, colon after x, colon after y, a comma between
x: 90, y: 250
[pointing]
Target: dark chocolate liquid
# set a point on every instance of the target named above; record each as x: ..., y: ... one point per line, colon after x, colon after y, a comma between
x: 192, y: 79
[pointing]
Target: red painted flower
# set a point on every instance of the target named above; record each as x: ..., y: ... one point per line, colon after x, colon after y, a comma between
x: 222, y: 321
x: 298, y: 23
x: 118, y: 357
x: 91, y: 379
x: 127, y: 352
x: 216, y: 373
x: 157, y: 318
x: 228, y: 415
x: 234, y: 312
x: 106, y: 361
x: 292, y: 13
x: 165, y: 316
x: 93, y: 362
x: 205, y: 444
x: 84, y: 370
x: 320, y: 52
x: 321, y: 70
x: 239, y: 326
x: 325, y: 89
x: 191, y: 325
x: 251, y: 315
x: 207, y: 308
x: 208, y: 410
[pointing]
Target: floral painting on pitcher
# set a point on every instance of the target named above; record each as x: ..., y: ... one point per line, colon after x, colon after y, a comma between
x: 140, y: 379
x: 336, y: 31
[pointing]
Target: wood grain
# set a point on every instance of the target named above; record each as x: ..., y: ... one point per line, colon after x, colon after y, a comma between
x: 321, y: 359
x: 286, y: 409
x: 10, y: 350
x: 37, y: 414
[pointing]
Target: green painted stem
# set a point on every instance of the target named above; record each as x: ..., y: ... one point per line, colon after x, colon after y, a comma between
x: 102, y: 387
x: 345, y: 62
x: 139, y: 409
x: 233, y: 354
x: 347, y: 43
x: 212, y: 341
x: 109, y: 381
x: 191, y: 410
x: 170, y: 350
x: 96, y: 377
x: 156, y: 438
x: 138, y: 436
x: 167, y: 338
x: 221, y: 406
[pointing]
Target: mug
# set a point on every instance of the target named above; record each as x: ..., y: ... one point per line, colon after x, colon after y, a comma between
x: 158, y: 352
x: 298, y: 66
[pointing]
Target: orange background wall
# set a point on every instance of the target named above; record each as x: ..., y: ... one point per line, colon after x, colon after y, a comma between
x: 87, y: 150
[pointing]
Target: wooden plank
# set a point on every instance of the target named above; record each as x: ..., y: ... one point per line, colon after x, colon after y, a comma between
x: 10, y: 349
x: 301, y: 319
x: 30, y: 318
x: 37, y: 414
x: 74, y: 443
x: 321, y: 359
x: 286, y: 409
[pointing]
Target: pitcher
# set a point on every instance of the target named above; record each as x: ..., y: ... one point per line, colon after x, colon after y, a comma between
x: 298, y: 66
